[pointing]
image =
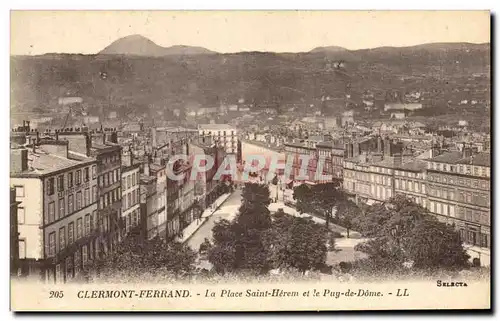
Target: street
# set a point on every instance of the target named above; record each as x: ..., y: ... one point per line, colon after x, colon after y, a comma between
x: 228, y: 211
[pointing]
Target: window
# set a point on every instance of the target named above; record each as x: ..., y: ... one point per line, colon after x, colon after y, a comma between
x: 22, y: 248
x: 100, y: 181
x: 60, y: 183
x: 86, y: 175
x: 423, y: 188
x: 86, y: 201
x: 438, y: 208
x: 62, y: 238
x: 105, y: 179
x: 451, y: 195
x: 84, y: 255
x: 79, y: 228
x: 70, y: 180
x: 78, y: 177
x: 433, y: 210
x: 133, y: 197
x: 94, y: 171
x: 129, y: 199
x: 20, y: 215
x: 71, y: 232
x: 19, y: 190
x: 133, y: 179
x: 62, y: 208
x: 93, y: 221
x: 52, y: 212
x: 452, y: 210
x: 469, y: 198
x: 138, y: 195
x: 129, y: 182
x: 127, y: 223
x: 93, y: 197
x: 52, y: 244
x: 50, y: 186
x: 78, y: 200
x: 87, y: 224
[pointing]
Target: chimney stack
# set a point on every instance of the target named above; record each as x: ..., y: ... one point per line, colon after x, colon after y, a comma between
x: 18, y: 160
x: 398, y: 160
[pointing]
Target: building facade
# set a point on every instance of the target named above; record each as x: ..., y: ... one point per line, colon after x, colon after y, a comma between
x: 224, y: 134
x: 58, y: 226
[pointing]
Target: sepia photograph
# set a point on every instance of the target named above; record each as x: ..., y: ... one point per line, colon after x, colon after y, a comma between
x: 250, y: 160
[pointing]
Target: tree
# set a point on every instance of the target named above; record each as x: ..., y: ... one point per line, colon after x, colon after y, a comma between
x: 307, y: 245
x: 297, y: 242
x: 408, y: 233
x: 319, y: 199
x: 241, y: 245
x: 348, y: 214
x: 135, y: 256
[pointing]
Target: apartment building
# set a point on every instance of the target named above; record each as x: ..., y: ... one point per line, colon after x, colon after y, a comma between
x: 224, y: 134
x: 101, y: 145
x: 57, y: 213
x: 333, y: 154
x: 149, y: 203
x: 131, y: 198
x: 459, y: 193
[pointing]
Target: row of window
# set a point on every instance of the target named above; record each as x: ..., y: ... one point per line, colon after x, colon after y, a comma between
x: 475, y: 238
x: 115, y: 158
x: 73, y: 264
x: 70, y: 179
x: 132, y: 219
x: 75, y: 203
x: 109, y: 178
x: 462, y: 213
x: 461, y: 196
x: 474, y: 183
x: 409, y: 185
x: 69, y: 234
x: 409, y: 174
x: 461, y: 169
x: 130, y: 199
x: 110, y: 198
x: 130, y: 180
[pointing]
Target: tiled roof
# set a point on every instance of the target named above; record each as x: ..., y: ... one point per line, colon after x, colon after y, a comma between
x: 41, y: 163
x: 481, y: 159
x: 216, y: 127
x: 450, y: 158
x: 414, y: 166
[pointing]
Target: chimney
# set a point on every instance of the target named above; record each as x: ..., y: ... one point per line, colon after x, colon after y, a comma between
x: 467, y: 152
x: 146, y: 165
x: 388, y: 148
x: 380, y: 147
x: 398, y: 160
x: 131, y: 156
x: 18, y: 160
x: 57, y: 134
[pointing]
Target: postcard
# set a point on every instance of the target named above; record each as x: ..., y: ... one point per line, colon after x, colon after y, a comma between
x: 250, y: 160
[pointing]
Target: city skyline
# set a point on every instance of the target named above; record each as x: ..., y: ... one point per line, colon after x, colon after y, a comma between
x: 40, y: 32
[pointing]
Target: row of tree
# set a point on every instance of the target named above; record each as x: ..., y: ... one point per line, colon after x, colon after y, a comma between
x: 403, y: 233
x: 256, y: 241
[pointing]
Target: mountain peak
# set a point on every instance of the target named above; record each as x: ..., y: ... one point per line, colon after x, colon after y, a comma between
x: 138, y: 45
x: 329, y: 49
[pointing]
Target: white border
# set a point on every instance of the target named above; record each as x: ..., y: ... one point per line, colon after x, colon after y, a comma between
x: 191, y: 5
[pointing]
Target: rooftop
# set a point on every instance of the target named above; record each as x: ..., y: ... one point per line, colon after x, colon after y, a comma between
x: 41, y: 163
x: 215, y: 127
x: 479, y: 159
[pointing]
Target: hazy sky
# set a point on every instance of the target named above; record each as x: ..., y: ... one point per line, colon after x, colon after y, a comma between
x: 39, y: 32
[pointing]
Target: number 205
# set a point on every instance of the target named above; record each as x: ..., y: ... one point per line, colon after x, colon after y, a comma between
x: 56, y: 294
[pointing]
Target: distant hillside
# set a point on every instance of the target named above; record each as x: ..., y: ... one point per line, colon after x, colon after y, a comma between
x: 137, y: 45
x: 328, y: 49
x: 142, y: 77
